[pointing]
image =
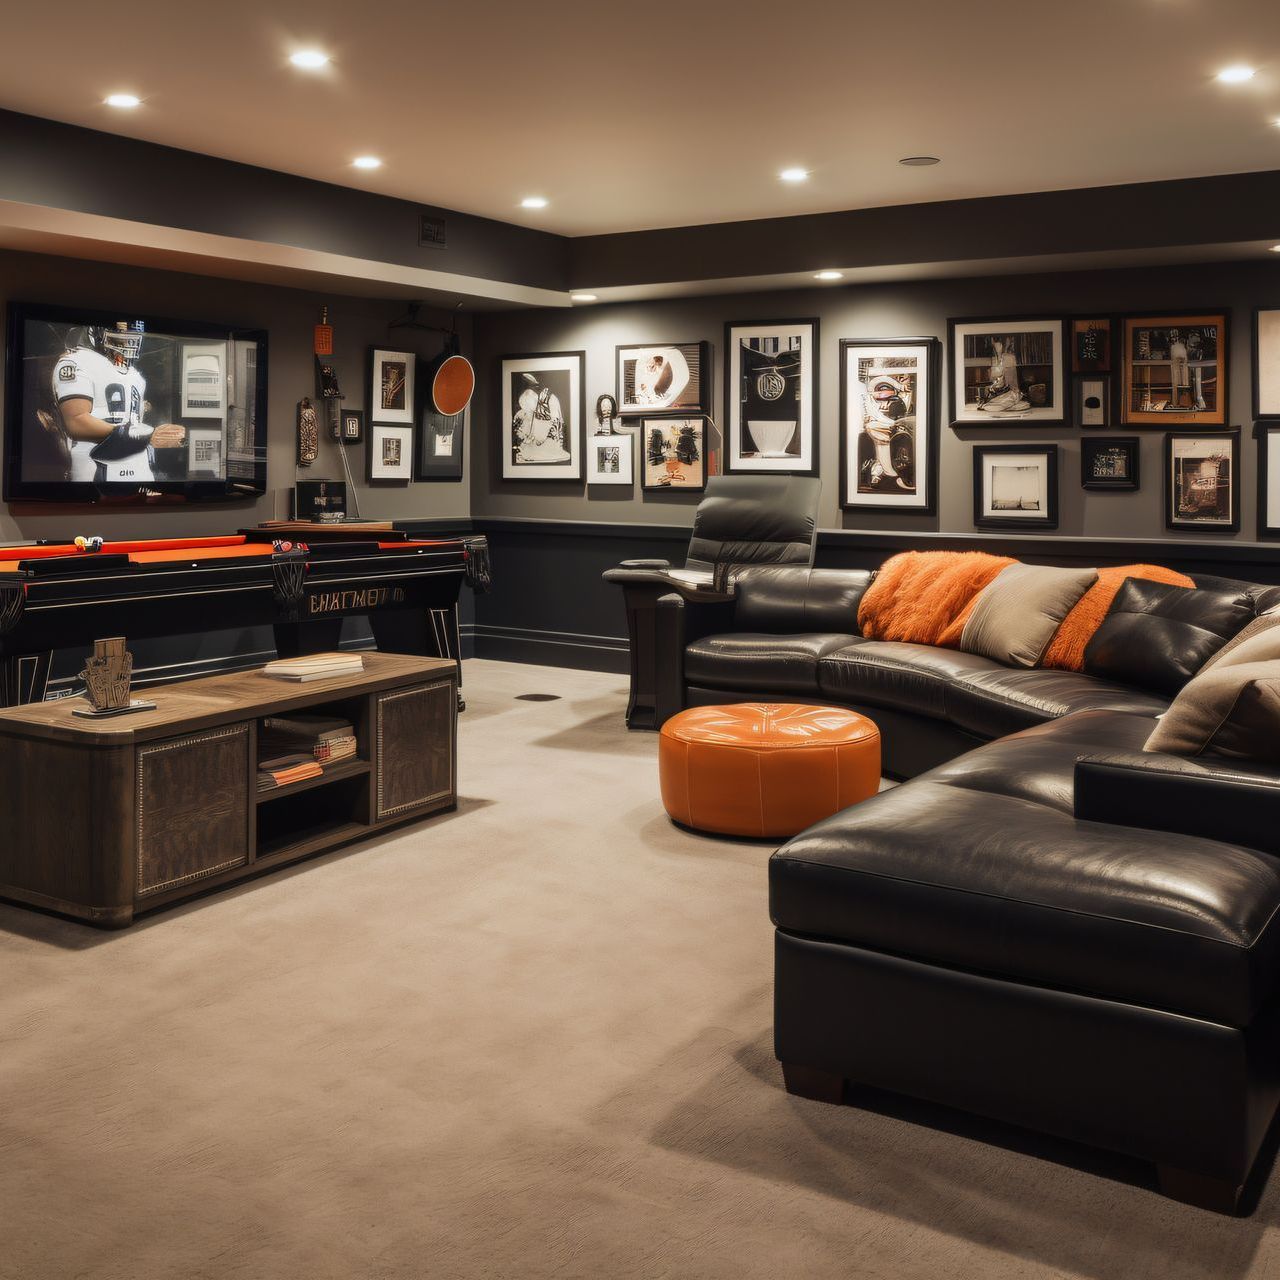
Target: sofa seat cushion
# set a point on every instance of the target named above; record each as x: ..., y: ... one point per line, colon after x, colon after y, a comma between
x: 994, y: 703
x: 756, y: 661
x: 906, y: 677
x: 995, y: 884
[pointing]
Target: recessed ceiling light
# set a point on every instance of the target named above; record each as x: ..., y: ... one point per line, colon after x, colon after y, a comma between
x: 534, y: 202
x: 367, y: 162
x: 1275, y: 248
x: 584, y: 297
x: 1236, y: 74
x: 829, y: 275
x: 309, y: 59
x: 919, y: 162
x: 794, y: 175
x: 124, y: 100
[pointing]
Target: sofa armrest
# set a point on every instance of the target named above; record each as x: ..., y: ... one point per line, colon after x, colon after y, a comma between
x: 1207, y: 796
x: 644, y: 564
x: 793, y: 598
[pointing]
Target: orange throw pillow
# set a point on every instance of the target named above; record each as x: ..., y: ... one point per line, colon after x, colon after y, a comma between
x: 1066, y: 649
x: 924, y: 597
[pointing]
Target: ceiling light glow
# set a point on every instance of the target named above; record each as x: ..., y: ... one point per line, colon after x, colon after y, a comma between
x: 829, y: 275
x: 1275, y: 248
x: 584, y: 297
x: 534, y: 202
x: 367, y: 162
x: 1236, y: 75
x: 126, y: 101
x: 309, y: 59
x: 794, y: 175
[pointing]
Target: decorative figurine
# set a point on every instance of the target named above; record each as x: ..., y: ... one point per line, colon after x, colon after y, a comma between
x: 106, y: 675
x: 606, y: 411
x: 308, y: 433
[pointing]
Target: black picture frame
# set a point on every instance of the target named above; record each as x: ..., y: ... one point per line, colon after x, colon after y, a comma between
x: 1271, y: 409
x: 697, y: 356
x: 378, y: 432
x: 1092, y: 446
x: 347, y: 418
x: 668, y: 424
x: 1186, y: 419
x: 932, y: 425
x: 428, y: 463
x: 1049, y: 454
x: 375, y: 413
x: 573, y: 363
x: 961, y: 417
x: 1231, y: 436
x: 732, y: 417
x: 1268, y: 450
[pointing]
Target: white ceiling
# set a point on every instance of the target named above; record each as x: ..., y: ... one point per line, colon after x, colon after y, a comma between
x: 637, y: 115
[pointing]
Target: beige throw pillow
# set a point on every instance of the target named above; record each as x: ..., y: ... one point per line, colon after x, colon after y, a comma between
x: 1233, y: 710
x: 1018, y: 612
x: 1263, y: 623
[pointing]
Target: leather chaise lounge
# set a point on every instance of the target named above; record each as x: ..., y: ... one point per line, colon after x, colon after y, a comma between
x: 1046, y: 925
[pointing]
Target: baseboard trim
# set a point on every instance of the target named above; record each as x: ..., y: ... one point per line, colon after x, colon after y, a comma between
x: 571, y: 649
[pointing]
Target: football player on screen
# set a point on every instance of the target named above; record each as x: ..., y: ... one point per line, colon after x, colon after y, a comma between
x: 102, y: 396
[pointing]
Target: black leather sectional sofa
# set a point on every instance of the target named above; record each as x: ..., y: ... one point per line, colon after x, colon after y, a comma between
x: 1046, y: 924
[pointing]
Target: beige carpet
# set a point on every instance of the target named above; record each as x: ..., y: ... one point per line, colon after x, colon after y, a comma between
x: 528, y: 1039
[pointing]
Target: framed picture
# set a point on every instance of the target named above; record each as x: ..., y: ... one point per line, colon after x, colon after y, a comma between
x: 1268, y: 435
x: 543, y: 407
x: 1110, y: 462
x: 1093, y: 400
x: 390, y: 453
x: 1266, y: 362
x: 1090, y: 345
x: 673, y: 377
x: 1015, y: 486
x: 771, y: 397
x: 1007, y: 371
x: 1202, y: 480
x: 440, y: 442
x: 1175, y: 370
x: 889, y: 424
x: 675, y: 453
x: 610, y: 459
x: 351, y: 426
x: 391, y: 385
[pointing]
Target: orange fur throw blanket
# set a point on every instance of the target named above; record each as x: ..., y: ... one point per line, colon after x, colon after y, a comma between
x: 1066, y: 649
x: 925, y: 597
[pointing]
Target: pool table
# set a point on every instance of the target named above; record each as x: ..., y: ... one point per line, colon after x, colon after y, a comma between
x: 54, y: 595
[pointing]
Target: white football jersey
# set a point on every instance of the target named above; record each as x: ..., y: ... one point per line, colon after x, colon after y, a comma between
x: 117, y: 395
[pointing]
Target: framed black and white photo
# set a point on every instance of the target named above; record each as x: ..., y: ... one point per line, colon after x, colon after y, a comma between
x: 672, y: 377
x: 1175, y: 370
x: 1093, y: 400
x: 1202, y: 480
x: 1015, y: 486
x: 1266, y: 362
x: 610, y: 458
x: 889, y: 424
x: 1007, y: 371
x: 351, y: 426
x: 771, y: 397
x: 543, y: 407
x: 390, y: 453
x: 440, y: 443
x: 1268, y: 436
x: 391, y: 385
x: 1110, y: 462
x: 674, y: 452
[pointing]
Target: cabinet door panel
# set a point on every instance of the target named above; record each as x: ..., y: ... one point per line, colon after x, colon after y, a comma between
x: 415, y: 748
x: 193, y: 807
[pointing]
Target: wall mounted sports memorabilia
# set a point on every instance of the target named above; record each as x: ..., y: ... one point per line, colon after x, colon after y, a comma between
x: 1202, y: 480
x: 1268, y: 435
x: 107, y: 676
x: 390, y: 453
x: 319, y: 500
x: 1266, y: 362
x: 610, y: 458
x: 1015, y: 486
x: 1174, y: 369
x: 889, y: 424
x: 675, y: 453
x: 771, y: 397
x: 1007, y: 371
x: 1109, y: 462
x: 440, y: 443
x: 673, y: 377
x: 1092, y: 400
x: 391, y: 385
x: 308, y: 433
x: 543, y: 409
x: 1091, y: 345
x: 351, y: 426
x: 449, y: 380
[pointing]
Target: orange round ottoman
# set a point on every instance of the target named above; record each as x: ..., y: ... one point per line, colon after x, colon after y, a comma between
x: 765, y: 769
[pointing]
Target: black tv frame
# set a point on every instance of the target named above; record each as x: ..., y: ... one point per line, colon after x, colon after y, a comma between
x: 16, y: 489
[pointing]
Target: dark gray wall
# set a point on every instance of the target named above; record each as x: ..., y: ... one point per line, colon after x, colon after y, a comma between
x: 868, y: 312
x: 288, y: 315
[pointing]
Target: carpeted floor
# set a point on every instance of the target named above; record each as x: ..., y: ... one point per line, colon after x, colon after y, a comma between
x: 528, y: 1039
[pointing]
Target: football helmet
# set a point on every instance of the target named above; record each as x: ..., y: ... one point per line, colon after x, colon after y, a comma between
x: 123, y: 343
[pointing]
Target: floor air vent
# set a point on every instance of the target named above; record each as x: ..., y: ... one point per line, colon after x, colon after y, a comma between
x: 537, y: 697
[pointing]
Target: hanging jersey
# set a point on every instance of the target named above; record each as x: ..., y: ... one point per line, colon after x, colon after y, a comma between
x: 116, y: 396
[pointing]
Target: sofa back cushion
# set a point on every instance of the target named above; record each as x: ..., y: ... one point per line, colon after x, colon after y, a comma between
x: 783, y: 599
x: 1015, y: 616
x: 1157, y: 636
x: 1066, y: 649
x: 923, y: 597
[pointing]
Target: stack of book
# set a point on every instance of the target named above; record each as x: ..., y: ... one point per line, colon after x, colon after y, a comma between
x: 314, y: 666
x: 280, y: 771
x: 287, y: 744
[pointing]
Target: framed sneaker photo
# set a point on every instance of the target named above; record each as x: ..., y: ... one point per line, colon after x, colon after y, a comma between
x: 1007, y: 372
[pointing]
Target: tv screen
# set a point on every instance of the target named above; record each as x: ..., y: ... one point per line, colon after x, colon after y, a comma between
x: 105, y: 405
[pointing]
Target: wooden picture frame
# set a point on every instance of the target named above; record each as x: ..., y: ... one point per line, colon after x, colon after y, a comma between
x: 1111, y: 464
x: 771, y: 371
x: 889, y: 433
x: 1190, y: 484
x: 1030, y: 350
x: 1266, y: 362
x: 1092, y: 339
x: 1001, y: 502
x: 543, y: 414
x: 1173, y: 362
x: 654, y: 378
x: 392, y: 386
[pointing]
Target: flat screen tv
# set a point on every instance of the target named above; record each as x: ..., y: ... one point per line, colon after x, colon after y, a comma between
x: 113, y: 405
